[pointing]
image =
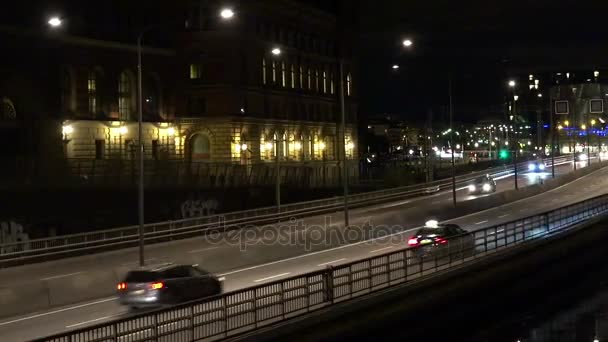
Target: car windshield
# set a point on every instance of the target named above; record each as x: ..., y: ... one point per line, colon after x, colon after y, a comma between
x: 141, y: 276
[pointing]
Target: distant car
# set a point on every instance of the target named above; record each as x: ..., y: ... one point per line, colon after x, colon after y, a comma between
x: 440, y: 240
x: 581, y: 156
x: 536, y: 166
x: 166, y: 285
x: 484, y: 184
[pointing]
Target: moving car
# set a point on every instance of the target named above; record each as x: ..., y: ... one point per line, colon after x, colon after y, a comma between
x: 440, y: 240
x: 484, y: 184
x: 166, y: 285
x: 581, y: 156
x: 536, y: 166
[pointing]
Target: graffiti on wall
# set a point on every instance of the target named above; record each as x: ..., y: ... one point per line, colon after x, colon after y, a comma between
x: 11, y: 232
x: 198, y: 208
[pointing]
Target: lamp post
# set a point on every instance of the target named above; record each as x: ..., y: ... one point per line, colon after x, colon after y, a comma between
x: 276, y: 51
x: 343, y: 137
x: 512, y: 85
x: 452, y: 141
x: 225, y: 14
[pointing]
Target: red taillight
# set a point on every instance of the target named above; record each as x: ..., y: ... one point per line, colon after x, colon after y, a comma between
x: 412, y: 242
x: 441, y: 240
x: 157, y: 286
x: 121, y: 286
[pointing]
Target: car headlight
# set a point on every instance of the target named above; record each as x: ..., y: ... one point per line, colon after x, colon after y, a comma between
x: 531, y: 167
x: 582, y: 157
x: 472, y: 187
x: 541, y: 166
x: 486, y: 187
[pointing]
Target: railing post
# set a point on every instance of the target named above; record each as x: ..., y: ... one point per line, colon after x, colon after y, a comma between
x: 328, y: 284
x: 192, y: 323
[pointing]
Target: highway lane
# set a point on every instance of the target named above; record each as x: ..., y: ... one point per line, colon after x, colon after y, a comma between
x: 98, y: 311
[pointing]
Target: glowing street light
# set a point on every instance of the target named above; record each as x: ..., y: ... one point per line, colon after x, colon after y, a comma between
x: 276, y: 51
x: 227, y: 13
x: 395, y: 66
x: 512, y: 83
x: 54, y: 22
x: 593, y: 122
x: 408, y: 42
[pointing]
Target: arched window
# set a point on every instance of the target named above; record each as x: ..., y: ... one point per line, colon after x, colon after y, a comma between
x: 263, y: 70
x: 274, y: 72
x: 283, y: 71
x: 200, y: 147
x: 348, y: 84
x: 332, y: 87
x: 324, y: 82
x: 92, y: 92
x: 317, y: 80
x: 7, y: 110
x: 293, y: 77
x: 68, y: 95
x: 125, y: 94
x: 301, y: 76
x: 309, y: 78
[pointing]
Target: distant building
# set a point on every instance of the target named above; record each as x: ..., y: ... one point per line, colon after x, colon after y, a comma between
x: 220, y: 96
x: 387, y: 134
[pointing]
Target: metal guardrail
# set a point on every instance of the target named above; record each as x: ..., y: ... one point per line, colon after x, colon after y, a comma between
x: 245, y: 310
x: 19, y: 253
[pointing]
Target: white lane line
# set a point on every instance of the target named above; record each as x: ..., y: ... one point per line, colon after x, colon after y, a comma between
x: 481, y: 222
x: 202, y: 250
x: 503, y: 215
x: 381, y: 249
x: 331, y: 262
x: 61, y: 276
x: 87, y: 322
x: 58, y: 311
x: 271, y: 277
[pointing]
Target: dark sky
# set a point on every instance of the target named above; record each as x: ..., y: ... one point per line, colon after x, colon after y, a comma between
x: 473, y: 39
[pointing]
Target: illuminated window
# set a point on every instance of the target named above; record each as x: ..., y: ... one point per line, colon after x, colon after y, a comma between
x: 195, y: 71
x: 332, y: 88
x: 293, y: 77
x: 348, y: 85
x: 263, y: 70
x: 324, y: 82
x: 317, y: 80
x: 301, y: 77
x: 124, y: 96
x: 283, y: 83
x: 92, y: 90
x: 236, y: 144
x: 274, y: 72
x: 309, y: 79
x: 266, y: 148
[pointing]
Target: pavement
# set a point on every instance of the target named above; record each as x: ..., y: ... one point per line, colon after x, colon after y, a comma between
x: 253, y: 256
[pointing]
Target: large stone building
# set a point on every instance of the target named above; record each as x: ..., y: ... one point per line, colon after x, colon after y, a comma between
x: 221, y: 102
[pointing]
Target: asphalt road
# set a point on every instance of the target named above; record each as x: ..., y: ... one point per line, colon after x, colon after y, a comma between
x: 251, y: 258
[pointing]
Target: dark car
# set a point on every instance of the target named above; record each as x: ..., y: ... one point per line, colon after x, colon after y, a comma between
x: 483, y: 185
x: 536, y: 166
x: 167, y: 285
x: 442, y: 240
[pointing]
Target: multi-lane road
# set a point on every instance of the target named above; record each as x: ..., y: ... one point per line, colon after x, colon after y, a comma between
x: 250, y: 257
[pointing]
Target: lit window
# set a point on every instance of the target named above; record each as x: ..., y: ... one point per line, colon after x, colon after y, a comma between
x: 92, y: 89
x: 124, y: 96
x: 309, y: 79
x: 316, y: 80
x: 283, y: 83
x: 348, y: 85
x: 301, y: 75
x: 324, y: 82
x: 274, y: 72
x: 293, y: 77
x: 263, y: 70
x: 195, y: 71
x: 332, y: 87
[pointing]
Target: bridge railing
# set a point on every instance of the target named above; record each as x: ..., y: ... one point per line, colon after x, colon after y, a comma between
x: 18, y: 253
x: 248, y: 309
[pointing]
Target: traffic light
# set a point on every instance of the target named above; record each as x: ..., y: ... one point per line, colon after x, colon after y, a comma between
x: 504, y: 154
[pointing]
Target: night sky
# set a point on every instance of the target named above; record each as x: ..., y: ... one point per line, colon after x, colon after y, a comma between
x: 472, y: 39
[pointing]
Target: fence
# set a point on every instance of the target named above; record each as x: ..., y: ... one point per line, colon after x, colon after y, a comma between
x: 248, y: 309
x: 69, y: 245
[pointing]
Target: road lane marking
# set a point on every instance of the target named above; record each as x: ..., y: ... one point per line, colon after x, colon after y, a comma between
x: 202, y: 250
x: 481, y: 222
x: 271, y: 277
x: 61, y: 276
x: 381, y: 249
x: 58, y: 311
x: 331, y: 262
x: 89, y: 321
x: 503, y: 215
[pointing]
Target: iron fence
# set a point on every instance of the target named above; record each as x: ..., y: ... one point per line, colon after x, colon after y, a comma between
x: 18, y: 253
x: 248, y: 309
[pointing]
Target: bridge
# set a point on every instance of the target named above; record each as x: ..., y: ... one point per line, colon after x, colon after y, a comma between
x: 279, y: 270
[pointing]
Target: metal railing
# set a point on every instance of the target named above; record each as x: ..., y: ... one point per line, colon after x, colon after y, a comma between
x: 18, y: 253
x: 248, y: 309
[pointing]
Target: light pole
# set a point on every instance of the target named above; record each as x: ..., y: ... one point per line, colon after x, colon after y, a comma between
x: 452, y: 141
x: 514, y: 143
x: 276, y: 51
x: 343, y: 137
x: 586, y: 129
x: 225, y: 14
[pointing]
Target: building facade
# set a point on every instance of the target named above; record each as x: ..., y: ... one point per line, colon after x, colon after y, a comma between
x: 243, y: 94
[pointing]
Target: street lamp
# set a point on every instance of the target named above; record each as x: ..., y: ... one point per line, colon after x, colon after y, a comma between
x: 225, y: 14
x: 512, y: 85
x: 54, y: 22
x: 395, y: 66
x: 276, y: 51
x: 408, y: 43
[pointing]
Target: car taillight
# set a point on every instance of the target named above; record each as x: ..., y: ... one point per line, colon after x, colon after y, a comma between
x: 121, y: 286
x: 412, y: 242
x: 441, y: 240
x: 157, y: 286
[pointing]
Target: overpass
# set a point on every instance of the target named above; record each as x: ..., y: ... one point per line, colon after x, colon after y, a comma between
x: 262, y: 260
